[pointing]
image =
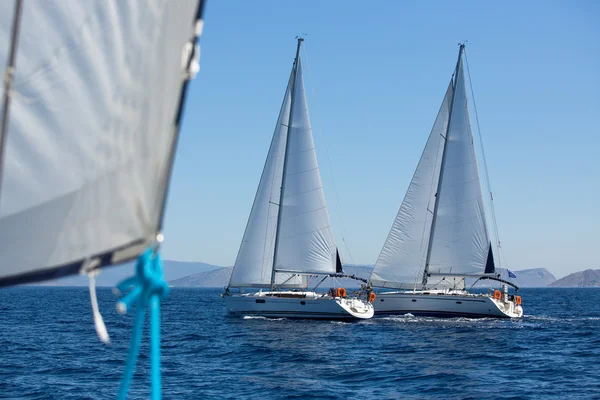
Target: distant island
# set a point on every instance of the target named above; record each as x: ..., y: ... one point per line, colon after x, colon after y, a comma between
x: 587, y: 278
x: 218, y: 278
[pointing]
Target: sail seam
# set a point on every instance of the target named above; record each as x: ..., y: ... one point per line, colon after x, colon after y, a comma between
x: 305, y: 212
x: 301, y: 172
x: 300, y: 193
x: 307, y: 233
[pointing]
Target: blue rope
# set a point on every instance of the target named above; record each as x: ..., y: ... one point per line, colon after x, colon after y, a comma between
x: 147, y: 288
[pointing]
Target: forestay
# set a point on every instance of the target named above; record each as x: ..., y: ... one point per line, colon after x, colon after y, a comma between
x: 90, y: 132
x: 402, y: 259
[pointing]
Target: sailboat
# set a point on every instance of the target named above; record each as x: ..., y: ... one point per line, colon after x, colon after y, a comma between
x: 440, y: 237
x: 92, y: 102
x: 288, y: 237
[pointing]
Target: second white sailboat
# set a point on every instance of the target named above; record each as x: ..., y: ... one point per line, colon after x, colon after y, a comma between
x: 440, y: 237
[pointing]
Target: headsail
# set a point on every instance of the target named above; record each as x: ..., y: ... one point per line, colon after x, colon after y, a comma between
x: 88, y: 147
x: 402, y: 259
x: 254, y: 261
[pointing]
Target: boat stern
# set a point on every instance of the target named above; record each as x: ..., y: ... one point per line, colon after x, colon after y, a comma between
x: 509, y: 308
x: 356, y: 307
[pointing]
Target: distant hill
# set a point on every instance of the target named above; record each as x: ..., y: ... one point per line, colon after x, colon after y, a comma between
x: 216, y: 278
x: 219, y: 278
x: 533, y: 277
x: 525, y: 278
x: 113, y: 275
x: 587, y: 278
x: 198, y: 274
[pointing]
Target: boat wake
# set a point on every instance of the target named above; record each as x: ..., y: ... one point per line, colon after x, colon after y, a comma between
x: 262, y: 318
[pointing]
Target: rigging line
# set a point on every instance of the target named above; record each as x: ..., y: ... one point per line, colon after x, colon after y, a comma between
x: 337, y: 198
x: 487, y: 177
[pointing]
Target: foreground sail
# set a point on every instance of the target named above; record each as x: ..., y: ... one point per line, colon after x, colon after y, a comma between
x: 289, y: 237
x: 440, y: 236
x: 92, y: 104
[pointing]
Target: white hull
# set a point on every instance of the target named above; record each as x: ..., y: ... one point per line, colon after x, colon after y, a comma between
x: 297, y: 305
x: 437, y: 303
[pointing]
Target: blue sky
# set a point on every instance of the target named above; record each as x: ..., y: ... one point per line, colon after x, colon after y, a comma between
x: 378, y: 73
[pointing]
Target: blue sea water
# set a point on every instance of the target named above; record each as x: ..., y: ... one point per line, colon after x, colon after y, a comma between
x: 49, y: 350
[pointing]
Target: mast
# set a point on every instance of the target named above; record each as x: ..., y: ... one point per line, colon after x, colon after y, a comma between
x: 8, y: 80
x: 439, y: 185
x: 285, y: 159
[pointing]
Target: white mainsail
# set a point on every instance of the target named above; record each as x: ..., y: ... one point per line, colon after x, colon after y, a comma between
x: 402, y: 259
x: 306, y: 243
x: 460, y: 243
x: 454, y: 233
x: 92, y: 125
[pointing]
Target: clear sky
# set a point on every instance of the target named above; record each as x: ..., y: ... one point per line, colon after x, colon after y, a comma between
x: 378, y: 73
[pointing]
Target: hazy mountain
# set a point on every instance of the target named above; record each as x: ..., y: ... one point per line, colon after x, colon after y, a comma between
x: 532, y: 277
x: 113, y: 275
x: 587, y: 278
x: 219, y: 278
x: 198, y: 274
x: 216, y: 278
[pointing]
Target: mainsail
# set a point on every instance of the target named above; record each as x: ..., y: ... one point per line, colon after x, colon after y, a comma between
x: 302, y: 226
x: 306, y: 242
x: 440, y: 227
x: 460, y: 243
x: 96, y: 94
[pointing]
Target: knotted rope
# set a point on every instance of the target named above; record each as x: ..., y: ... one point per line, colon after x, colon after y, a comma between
x: 146, y: 288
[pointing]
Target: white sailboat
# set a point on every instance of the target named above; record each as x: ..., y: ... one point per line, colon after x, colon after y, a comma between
x: 92, y: 102
x: 288, y: 236
x: 440, y: 236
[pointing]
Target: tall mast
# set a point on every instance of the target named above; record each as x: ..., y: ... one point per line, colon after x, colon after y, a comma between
x: 8, y: 80
x: 285, y: 159
x: 439, y: 185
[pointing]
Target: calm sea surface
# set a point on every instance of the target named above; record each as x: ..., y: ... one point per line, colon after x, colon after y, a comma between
x: 49, y: 350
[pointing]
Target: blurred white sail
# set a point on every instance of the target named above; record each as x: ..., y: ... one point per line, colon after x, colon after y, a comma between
x: 96, y: 92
